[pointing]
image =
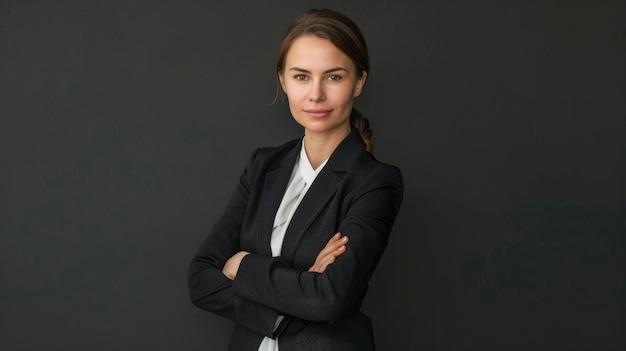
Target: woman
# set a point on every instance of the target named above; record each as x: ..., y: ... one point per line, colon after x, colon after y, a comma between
x: 279, y: 262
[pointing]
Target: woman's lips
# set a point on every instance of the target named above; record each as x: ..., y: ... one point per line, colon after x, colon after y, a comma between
x: 318, y: 113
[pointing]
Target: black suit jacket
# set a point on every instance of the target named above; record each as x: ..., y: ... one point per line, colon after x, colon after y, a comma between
x: 354, y: 194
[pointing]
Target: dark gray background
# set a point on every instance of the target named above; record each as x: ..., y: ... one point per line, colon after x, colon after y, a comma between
x: 125, y: 125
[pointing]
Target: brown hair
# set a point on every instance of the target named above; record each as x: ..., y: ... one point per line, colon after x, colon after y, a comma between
x: 346, y: 36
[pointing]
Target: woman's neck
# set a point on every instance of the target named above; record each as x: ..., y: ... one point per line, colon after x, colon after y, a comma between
x: 319, y: 146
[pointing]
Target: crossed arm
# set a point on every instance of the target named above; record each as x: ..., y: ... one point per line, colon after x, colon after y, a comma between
x: 265, y: 287
x: 334, y: 248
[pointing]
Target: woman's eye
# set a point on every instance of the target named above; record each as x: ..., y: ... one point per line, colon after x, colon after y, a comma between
x: 300, y: 77
x: 334, y: 77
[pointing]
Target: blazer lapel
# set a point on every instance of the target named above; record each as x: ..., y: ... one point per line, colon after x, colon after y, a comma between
x: 321, y: 191
x: 316, y: 198
x: 272, y: 194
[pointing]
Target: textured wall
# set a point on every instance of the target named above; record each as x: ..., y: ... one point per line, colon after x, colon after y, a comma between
x: 125, y: 125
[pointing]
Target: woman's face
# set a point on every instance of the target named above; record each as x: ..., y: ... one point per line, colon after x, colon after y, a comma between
x: 320, y: 82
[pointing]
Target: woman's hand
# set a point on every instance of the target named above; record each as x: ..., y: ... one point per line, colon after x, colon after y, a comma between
x: 232, y: 265
x: 335, y: 247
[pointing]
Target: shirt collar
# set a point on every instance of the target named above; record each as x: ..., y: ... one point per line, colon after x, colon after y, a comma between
x: 304, y: 165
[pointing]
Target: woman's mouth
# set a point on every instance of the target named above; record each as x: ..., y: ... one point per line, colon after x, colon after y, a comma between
x: 318, y: 113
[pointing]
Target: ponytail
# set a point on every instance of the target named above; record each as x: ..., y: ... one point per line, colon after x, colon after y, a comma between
x: 363, y: 126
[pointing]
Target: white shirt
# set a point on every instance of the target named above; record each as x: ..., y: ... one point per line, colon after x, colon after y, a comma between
x: 302, y: 172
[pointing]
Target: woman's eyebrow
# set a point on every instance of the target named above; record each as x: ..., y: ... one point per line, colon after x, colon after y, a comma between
x: 335, y: 69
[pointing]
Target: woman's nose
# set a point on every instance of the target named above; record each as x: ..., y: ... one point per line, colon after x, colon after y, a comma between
x: 317, y: 92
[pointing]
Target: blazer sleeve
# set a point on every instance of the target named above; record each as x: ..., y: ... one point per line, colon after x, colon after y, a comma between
x: 325, y: 297
x: 209, y: 288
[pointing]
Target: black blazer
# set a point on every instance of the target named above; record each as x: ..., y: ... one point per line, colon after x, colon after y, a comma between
x: 354, y: 194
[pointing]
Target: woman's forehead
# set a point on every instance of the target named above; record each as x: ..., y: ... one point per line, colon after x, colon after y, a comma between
x: 311, y: 52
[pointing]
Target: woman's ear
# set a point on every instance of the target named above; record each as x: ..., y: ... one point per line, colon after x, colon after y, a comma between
x: 360, y: 82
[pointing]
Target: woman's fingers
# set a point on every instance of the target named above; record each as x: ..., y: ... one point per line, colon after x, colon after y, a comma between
x: 333, y: 244
x: 335, y: 247
x: 232, y: 264
x: 330, y: 244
